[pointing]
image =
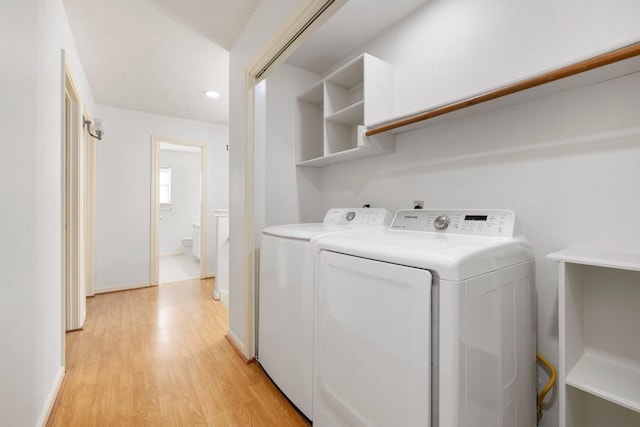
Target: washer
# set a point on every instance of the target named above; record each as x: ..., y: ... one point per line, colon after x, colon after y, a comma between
x: 428, y: 323
x: 285, y: 328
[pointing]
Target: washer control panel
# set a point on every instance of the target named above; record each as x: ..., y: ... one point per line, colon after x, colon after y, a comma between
x: 478, y: 222
x: 358, y: 216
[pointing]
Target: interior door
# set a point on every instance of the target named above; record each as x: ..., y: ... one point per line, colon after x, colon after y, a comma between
x: 371, y: 343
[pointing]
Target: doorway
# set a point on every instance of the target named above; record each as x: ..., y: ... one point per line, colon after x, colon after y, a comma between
x: 77, y: 205
x: 179, y: 249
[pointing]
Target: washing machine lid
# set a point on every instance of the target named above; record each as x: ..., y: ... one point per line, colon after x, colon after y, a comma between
x: 452, y: 254
x: 336, y: 220
x: 302, y: 231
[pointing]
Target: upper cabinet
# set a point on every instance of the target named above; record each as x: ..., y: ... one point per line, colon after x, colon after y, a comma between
x: 332, y: 115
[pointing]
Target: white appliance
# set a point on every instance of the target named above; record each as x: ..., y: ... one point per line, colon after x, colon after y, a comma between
x: 428, y: 323
x: 285, y: 319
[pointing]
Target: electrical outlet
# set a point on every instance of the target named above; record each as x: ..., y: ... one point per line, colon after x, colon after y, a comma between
x: 418, y: 204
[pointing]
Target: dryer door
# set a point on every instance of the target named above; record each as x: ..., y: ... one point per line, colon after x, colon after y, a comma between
x: 371, y: 343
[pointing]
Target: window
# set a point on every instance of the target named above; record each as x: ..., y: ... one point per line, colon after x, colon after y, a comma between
x: 165, y: 187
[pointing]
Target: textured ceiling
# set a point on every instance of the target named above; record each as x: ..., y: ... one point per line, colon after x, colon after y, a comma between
x: 159, y: 56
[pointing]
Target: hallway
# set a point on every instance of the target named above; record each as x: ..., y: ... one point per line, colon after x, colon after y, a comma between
x: 158, y: 356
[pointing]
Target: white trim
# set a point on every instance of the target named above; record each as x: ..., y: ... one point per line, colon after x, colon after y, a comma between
x: 75, y: 205
x: 296, y: 28
x: 250, y: 333
x: 122, y: 288
x: 203, y: 211
x: 223, y: 297
x: 51, y: 398
x: 236, y: 342
x: 155, y: 214
x: 63, y: 213
x: 154, y: 241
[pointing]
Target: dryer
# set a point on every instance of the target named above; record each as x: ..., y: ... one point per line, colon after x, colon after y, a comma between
x: 428, y: 323
x: 285, y: 299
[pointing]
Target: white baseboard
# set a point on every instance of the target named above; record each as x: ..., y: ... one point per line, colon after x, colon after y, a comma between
x: 224, y: 298
x: 235, y: 342
x: 121, y: 288
x: 51, y: 398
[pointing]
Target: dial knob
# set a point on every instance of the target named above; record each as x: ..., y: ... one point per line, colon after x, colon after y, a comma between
x: 350, y: 215
x: 441, y: 222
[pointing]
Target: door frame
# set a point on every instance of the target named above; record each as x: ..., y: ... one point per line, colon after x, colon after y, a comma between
x: 304, y: 20
x: 154, y: 241
x: 74, y: 195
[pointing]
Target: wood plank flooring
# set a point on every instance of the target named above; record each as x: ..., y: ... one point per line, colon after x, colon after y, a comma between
x: 159, y: 357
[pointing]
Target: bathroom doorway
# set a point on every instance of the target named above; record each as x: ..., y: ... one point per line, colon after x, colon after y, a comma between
x: 178, y: 199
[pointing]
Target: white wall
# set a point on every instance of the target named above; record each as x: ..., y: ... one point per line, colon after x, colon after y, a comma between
x: 566, y: 164
x: 31, y: 364
x: 123, y: 189
x: 291, y: 193
x: 177, y: 222
x: 451, y: 49
x: 265, y: 20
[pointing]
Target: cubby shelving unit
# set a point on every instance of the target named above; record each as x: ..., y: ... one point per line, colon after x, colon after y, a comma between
x: 331, y: 116
x: 599, y: 335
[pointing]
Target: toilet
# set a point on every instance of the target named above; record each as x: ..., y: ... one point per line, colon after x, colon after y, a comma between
x: 187, y: 244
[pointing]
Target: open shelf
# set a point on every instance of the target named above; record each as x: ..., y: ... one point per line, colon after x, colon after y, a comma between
x: 339, y: 98
x: 614, y: 381
x: 587, y: 410
x: 599, y: 315
x: 351, y: 115
x: 332, y: 114
x: 365, y: 147
x: 598, y: 257
x: 309, y: 128
x: 340, y: 137
x: 606, y: 66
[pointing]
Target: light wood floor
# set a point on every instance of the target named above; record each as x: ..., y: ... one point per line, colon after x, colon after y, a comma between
x: 158, y: 356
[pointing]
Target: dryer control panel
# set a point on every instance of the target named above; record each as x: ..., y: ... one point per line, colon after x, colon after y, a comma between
x: 477, y: 222
x: 358, y: 217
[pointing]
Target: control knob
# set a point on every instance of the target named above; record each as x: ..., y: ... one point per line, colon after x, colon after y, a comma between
x: 441, y: 222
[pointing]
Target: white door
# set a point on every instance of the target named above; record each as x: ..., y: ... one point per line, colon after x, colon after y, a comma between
x: 372, y: 339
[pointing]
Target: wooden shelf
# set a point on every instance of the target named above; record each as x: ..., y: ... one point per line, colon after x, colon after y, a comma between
x: 599, y: 68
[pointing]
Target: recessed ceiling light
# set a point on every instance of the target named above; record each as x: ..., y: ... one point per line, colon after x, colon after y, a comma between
x: 212, y: 94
